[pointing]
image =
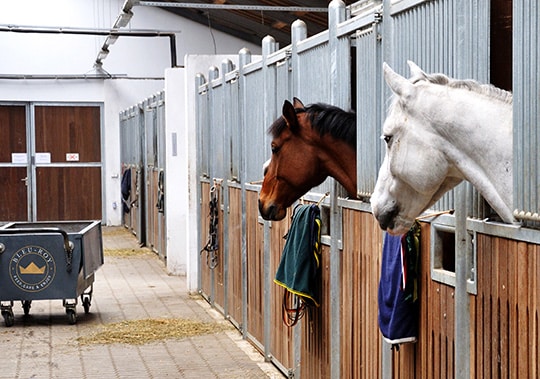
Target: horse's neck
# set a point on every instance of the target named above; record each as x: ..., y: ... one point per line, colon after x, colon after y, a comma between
x: 339, y: 160
x: 479, y: 144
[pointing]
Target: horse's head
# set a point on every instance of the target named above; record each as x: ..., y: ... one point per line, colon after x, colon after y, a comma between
x: 415, y: 172
x: 295, y: 164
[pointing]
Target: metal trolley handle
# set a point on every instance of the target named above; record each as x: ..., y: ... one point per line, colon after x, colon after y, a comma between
x: 68, y: 245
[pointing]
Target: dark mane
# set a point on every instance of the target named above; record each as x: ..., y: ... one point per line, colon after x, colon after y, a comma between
x: 325, y: 119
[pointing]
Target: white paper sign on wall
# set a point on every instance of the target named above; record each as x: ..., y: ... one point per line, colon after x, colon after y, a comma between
x: 72, y: 157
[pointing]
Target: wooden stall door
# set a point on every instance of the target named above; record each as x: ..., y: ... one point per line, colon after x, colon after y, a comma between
x: 13, y: 175
x: 69, y: 187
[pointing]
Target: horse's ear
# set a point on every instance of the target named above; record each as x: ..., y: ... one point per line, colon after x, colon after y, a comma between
x: 298, y: 104
x: 289, y: 114
x: 416, y: 72
x: 397, y: 83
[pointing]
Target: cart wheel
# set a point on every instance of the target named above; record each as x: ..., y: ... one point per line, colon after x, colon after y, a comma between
x: 26, y: 306
x: 86, y: 305
x: 72, y: 316
x: 8, y: 318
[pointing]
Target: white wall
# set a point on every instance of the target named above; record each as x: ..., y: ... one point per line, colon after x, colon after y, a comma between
x: 144, y: 58
x: 181, y: 180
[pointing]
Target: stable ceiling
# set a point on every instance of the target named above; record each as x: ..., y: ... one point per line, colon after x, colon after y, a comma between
x: 254, y: 25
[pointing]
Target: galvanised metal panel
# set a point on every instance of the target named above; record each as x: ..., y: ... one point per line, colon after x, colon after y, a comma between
x: 526, y: 92
x: 150, y: 133
x: 217, y: 134
x: 128, y: 132
x: 203, y: 131
x: 283, y: 83
x: 370, y: 149
x: 313, y: 76
x: 236, y: 129
x: 124, y: 132
x: 314, y: 86
x: 160, y: 130
x: 448, y: 36
x: 257, y: 144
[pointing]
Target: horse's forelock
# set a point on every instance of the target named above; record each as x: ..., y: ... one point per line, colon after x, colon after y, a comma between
x: 277, y: 127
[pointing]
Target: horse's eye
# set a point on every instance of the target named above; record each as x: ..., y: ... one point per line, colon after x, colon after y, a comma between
x: 275, y: 149
x: 387, y: 139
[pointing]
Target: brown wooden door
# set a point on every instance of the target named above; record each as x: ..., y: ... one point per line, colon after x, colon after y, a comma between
x: 13, y: 164
x: 68, y: 163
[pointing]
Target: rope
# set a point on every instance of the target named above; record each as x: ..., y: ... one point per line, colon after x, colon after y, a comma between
x: 212, y: 246
x: 293, y: 308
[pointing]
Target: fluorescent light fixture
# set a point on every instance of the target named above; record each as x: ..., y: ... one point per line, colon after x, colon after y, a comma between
x: 111, y: 39
x: 123, y: 19
x: 102, y: 54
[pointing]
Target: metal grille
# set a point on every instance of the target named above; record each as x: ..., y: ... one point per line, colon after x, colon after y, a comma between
x: 526, y: 84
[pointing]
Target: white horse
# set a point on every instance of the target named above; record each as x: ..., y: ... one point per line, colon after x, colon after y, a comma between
x: 438, y: 132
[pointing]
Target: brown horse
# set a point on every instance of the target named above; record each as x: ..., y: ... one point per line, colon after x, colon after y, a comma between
x: 309, y: 144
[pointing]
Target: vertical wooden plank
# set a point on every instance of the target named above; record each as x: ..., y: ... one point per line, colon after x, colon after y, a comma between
x: 533, y: 255
x: 435, y: 328
x: 369, y: 274
x: 486, y: 256
x: 219, y: 290
x: 450, y: 330
x: 521, y: 358
x: 255, y: 270
x: 443, y: 332
x: 364, y: 278
x: 234, y: 274
x: 472, y: 333
x: 349, y: 336
x: 495, y: 322
x: 424, y: 364
x: 205, y: 275
x: 281, y: 344
x: 513, y: 303
x: 504, y: 315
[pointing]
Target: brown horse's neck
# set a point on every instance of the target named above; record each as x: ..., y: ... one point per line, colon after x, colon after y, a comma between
x: 339, y: 159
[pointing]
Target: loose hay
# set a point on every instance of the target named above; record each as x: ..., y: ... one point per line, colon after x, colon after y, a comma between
x: 139, y: 332
x: 126, y: 252
x: 115, y: 231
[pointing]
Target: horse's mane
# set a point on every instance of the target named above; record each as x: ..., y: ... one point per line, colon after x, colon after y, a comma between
x: 471, y: 85
x: 325, y: 119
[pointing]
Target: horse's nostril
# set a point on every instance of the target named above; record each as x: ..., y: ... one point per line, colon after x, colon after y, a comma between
x: 267, y: 212
x: 387, y: 219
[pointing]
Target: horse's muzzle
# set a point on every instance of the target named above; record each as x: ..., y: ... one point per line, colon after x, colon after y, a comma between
x: 271, y: 212
x: 387, y: 219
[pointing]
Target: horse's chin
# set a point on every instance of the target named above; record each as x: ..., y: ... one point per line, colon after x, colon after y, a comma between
x: 275, y: 217
x: 400, y: 227
x: 272, y: 212
x: 397, y: 231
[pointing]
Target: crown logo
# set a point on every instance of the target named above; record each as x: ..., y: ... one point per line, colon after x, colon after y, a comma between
x: 32, y: 268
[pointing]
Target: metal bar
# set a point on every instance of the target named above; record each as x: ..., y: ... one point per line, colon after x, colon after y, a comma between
x: 268, y: 47
x: 85, y: 31
x: 99, y: 32
x: 244, y: 58
x: 226, y: 66
x: 269, y: 8
x: 462, y: 346
x: 462, y: 320
x: 340, y: 96
x: 172, y: 48
x: 75, y: 77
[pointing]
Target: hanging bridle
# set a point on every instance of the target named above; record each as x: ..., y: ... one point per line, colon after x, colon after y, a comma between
x: 212, y: 246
